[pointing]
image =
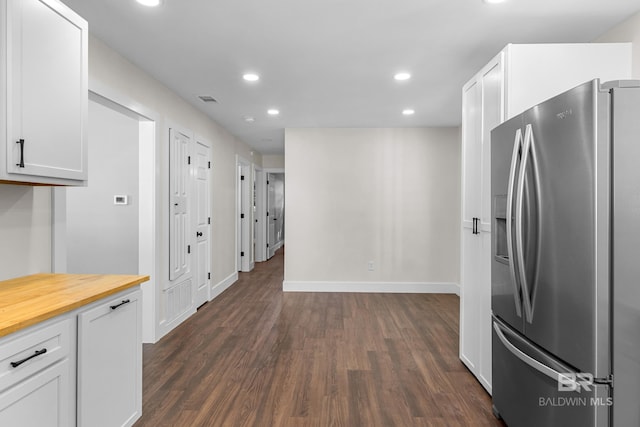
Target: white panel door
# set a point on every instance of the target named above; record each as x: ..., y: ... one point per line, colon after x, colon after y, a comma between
x: 179, y: 187
x: 47, y: 90
x: 245, y: 215
x: 271, y: 214
x: 203, y: 222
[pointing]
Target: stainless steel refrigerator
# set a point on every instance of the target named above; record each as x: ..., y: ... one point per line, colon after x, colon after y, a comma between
x: 565, y: 183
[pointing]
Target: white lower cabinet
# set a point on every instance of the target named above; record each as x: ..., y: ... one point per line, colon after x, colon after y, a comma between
x: 81, y: 368
x: 43, y: 400
x: 110, y: 363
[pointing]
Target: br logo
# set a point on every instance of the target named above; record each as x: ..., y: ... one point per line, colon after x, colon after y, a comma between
x: 570, y: 381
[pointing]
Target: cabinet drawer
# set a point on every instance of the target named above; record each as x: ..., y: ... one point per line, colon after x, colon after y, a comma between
x: 29, y: 352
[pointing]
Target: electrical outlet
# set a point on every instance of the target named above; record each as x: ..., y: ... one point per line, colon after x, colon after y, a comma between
x: 370, y: 266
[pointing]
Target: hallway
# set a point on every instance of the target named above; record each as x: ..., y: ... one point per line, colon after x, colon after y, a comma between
x: 256, y: 356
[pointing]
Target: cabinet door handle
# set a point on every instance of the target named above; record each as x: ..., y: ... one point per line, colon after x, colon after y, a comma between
x: 21, y: 142
x: 126, y: 301
x: 36, y: 354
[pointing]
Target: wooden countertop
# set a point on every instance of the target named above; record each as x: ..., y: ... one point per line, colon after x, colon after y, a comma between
x: 28, y: 300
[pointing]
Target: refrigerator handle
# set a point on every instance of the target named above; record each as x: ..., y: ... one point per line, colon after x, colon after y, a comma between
x: 540, y: 367
x: 517, y: 146
x: 519, y: 261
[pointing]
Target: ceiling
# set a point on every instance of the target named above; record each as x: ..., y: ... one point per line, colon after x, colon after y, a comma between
x: 330, y: 63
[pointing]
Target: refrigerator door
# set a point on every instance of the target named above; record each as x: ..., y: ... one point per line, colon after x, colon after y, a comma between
x: 532, y: 389
x: 562, y: 235
x: 506, y: 158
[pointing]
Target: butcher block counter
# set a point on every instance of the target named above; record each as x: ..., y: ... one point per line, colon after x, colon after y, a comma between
x: 68, y: 344
x: 28, y: 300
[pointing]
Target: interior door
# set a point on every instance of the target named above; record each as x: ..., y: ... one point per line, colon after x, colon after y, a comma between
x: 203, y: 222
x: 179, y: 224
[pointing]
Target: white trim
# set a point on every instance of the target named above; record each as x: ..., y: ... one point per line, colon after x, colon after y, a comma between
x: 278, y: 246
x: 261, y: 215
x: 223, y: 285
x: 243, y: 167
x: 372, y: 287
x: 148, y: 263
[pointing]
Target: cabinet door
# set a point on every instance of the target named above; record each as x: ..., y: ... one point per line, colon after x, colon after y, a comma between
x: 46, y: 90
x: 492, y: 81
x: 110, y: 363
x: 471, y: 152
x: 42, y: 400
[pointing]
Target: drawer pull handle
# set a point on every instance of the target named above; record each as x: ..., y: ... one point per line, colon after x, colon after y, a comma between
x: 126, y: 301
x: 36, y: 354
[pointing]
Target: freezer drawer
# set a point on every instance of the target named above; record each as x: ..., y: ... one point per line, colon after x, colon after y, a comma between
x: 527, y: 394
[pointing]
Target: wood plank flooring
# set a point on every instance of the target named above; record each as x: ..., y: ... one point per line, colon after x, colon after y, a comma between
x: 256, y: 356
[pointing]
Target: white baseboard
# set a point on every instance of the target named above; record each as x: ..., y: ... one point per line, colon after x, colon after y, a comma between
x: 373, y: 287
x: 223, y: 285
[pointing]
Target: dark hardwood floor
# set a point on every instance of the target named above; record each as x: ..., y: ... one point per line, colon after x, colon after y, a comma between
x: 256, y: 356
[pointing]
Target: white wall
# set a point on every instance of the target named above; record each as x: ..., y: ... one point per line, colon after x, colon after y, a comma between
x: 391, y: 196
x: 627, y: 31
x: 102, y: 238
x: 108, y: 68
x: 25, y: 230
x: 270, y: 161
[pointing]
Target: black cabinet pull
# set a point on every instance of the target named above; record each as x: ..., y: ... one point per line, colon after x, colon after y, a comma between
x: 474, y: 230
x: 21, y: 164
x: 126, y: 301
x: 36, y: 354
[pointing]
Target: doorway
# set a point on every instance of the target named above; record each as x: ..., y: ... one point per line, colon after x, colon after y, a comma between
x: 131, y: 201
x: 275, y: 212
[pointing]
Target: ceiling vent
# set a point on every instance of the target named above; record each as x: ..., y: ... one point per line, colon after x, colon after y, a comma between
x: 207, y: 98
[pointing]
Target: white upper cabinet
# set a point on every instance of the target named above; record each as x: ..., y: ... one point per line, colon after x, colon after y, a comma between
x: 518, y: 78
x: 43, y: 61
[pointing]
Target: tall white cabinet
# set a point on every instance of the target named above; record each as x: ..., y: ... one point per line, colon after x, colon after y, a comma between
x: 519, y: 77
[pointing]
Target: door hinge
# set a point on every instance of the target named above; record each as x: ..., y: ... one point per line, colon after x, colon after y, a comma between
x: 209, y: 165
x: 209, y: 276
x: 267, y: 245
x: 241, y: 253
x: 188, y: 249
x: 267, y: 213
x: 209, y: 220
x: 241, y: 177
x: 242, y: 216
x: 188, y: 160
x: 267, y: 182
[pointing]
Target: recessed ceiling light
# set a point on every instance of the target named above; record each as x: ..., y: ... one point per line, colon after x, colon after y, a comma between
x: 402, y: 76
x: 494, y: 1
x: 273, y: 112
x: 150, y: 3
x: 408, y: 112
x: 251, y: 77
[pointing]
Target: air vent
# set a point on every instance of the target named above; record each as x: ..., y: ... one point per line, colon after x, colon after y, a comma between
x: 207, y: 98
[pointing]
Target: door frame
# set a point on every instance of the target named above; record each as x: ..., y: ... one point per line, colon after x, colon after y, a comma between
x: 260, y: 220
x: 199, y: 140
x: 244, y: 197
x: 148, y: 262
x: 266, y: 172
